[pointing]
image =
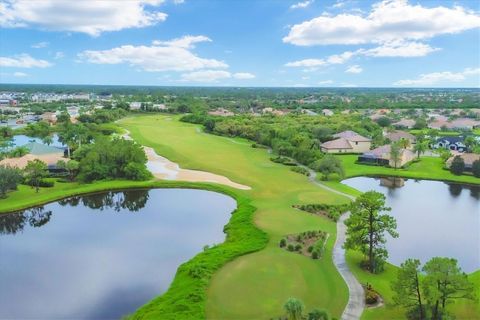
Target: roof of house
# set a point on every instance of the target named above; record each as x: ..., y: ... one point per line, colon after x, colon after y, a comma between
x: 49, y: 159
x: 451, y: 139
x: 340, y: 143
x: 36, y: 148
x: 351, y: 136
x: 397, y: 135
x: 383, y: 152
x: 405, y: 123
x: 468, y: 158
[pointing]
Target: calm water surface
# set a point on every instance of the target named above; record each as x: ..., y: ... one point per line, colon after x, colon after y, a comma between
x: 434, y: 219
x: 102, y: 256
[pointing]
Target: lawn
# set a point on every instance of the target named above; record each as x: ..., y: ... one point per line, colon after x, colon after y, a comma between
x: 256, y: 285
x: 427, y: 168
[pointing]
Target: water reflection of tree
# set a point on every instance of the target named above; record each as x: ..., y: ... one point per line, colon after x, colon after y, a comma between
x: 16, y: 222
x: 475, y: 192
x: 132, y: 200
x: 455, y: 189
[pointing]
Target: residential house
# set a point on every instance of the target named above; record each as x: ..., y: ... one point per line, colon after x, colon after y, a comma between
x: 49, y: 117
x: 347, y: 142
x: 135, y: 105
x: 221, y: 112
x: 450, y: 143
x: 404, y: 124
x: 327, y: 112
x: 398, y: 135
x: 468, y: 159
x: 382, y: 156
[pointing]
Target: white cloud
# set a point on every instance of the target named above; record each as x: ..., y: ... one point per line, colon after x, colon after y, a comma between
x: 19, y: 74
x: 86, y: 16
x: 399, y: 49
x: 391, y: 49
x: 59, y: 55
x: 439, y: 78
x: 171, y: 55
x: 184, y: 42
x: 39, y: 45
x: 214, y: 76
x: 243, y: 75
x: 301, y: 5
x: 23, y: 61
x: 178, y: 1
x: 388, y: 20
x: 354, y: 69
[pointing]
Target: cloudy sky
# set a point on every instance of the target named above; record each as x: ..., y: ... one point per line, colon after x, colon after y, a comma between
x: 329, y: 43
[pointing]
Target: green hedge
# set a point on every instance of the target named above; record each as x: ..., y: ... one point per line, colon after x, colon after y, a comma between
x: 331, y: 211
x: 186, y: 297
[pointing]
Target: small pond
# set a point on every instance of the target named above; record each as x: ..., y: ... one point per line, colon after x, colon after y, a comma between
x: 21, y: 140
x: 102, y: 256
x: 434, y: 219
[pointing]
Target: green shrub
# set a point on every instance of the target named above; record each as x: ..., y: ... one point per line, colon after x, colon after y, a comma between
x: 290, y: 247
x: 283, y: 243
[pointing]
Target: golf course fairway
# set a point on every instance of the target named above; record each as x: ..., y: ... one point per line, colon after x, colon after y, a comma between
x: 255, y: 286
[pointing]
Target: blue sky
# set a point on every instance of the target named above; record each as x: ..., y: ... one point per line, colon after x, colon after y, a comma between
x: 334, y: 43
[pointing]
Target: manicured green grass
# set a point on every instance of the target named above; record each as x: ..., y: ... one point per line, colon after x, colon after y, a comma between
x: 255, y: 286
x: 440, y: 133
x: 427, y: 168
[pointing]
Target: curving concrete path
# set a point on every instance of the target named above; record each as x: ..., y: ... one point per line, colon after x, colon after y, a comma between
x: 356, y: 297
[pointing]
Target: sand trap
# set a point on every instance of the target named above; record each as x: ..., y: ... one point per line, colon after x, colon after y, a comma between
x: 165, y: 169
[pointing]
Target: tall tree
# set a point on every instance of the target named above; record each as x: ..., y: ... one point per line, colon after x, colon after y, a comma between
x: 366, y: 228
x: 9, y: 178
x: 420, y: 147
x: 395, y: 154
x: 444, y: 281
x: 407, y: 290
x: 35, y: 171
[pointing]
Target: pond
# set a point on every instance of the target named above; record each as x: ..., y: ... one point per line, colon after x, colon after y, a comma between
x: 433, y: 218
x: 102, y: 256
x: 21, y: 140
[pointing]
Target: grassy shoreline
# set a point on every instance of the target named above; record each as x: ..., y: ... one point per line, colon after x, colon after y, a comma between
x: 186, y: 295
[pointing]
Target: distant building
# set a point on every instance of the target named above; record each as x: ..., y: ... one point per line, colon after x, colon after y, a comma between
x: 49, y: 155
x: 221, y: 112
x: 347, y: 142
x: 135, y: 105
x: 327, y: 112
x: 49, y: 117
x: 404, y: 124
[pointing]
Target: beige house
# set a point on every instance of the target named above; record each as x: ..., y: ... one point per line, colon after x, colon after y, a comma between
x: 347, y: 142
x: 49, y: 155
x: 382, y: 156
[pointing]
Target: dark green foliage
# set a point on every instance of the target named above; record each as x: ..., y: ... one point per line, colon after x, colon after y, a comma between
x: 283, y: 160
x: 283, y: 243
x: 384, y: 121
x: 313, y: 240
x: 318, y: 314
x: 457, y: 166
x: 185, y: 299
x: 290, y: 247
x: 329, y: 165
x: 366, y: 228
x: 9, y: 178
x: 34, y: 172
x: 331, y: 211
x: 476, y: 168
x: 427, y: 295
x: 110, y: 159
x: 300, y: 170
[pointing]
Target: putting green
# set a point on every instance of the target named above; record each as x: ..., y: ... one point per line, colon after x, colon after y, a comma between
x: 255, y: 285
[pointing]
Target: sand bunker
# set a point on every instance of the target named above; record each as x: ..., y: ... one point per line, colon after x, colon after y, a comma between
x: 165, y: 169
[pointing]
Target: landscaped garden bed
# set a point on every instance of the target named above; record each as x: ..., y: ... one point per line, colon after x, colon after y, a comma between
x: 309, y: 243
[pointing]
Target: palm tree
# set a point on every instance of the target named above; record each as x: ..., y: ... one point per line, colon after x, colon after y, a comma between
x: 420, y: 147
x: 294, y: 309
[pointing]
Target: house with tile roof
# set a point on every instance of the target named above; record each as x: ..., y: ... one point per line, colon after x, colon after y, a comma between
x: 347, y: 142
x: 382, y: 156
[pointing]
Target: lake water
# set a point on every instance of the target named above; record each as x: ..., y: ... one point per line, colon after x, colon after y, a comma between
x: 433, y: 218
x: 21, y: 140
x: 103, y: 256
